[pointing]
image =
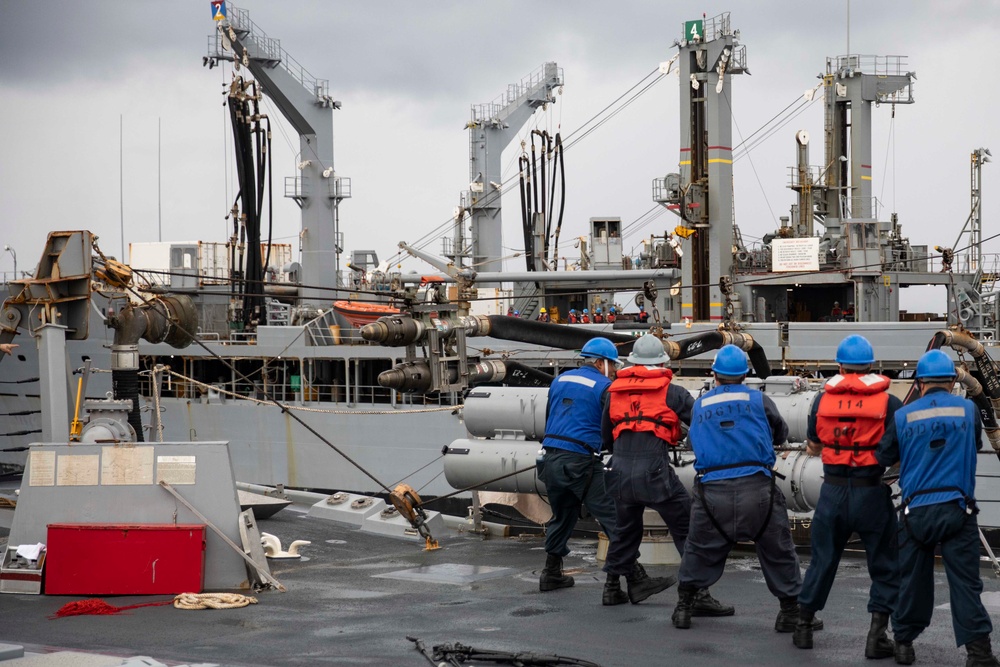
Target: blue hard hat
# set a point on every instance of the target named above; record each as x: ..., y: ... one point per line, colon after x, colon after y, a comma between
x: 612, y: 309
x: 935, y: 364
x: 600, y: 348
x: 572, y: 310
x: 586, y: 312
x: 855, y: 350
x: 598, y: 309
x: 517, y: 312
x: 730, y: 361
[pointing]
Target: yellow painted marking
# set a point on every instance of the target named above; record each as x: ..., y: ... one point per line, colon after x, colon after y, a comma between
x: 719, y: 159
x: 866, y: 178
x: 683, y: 162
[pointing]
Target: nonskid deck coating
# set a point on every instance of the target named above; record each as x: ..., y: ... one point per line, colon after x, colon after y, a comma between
x: 347, y: 605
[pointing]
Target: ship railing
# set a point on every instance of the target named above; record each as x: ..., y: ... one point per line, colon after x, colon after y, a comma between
x: 856, y: 63
x: 714, y: 28
x: 859, y: 207
x: 515, y: 91
x: 810, y: 176
x: 270, y: 50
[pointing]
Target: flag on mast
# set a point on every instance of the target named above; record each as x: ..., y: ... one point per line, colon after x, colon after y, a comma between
x: 219, y: 10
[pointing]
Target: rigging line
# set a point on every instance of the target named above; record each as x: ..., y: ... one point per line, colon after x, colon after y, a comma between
x: 257, y: 388
x: 651, y: 214
x: 424, y: 241
x: 475, y: 486
x: 409, y: 475
x: 430, y: 480
x: 798, y: 100
x: 770, y: 133
x: 748, y: 145
x: 614, y: 102
x: 569, y: 144
x: 736, y: 124
x: 646, y: 222
x: 885, y: 165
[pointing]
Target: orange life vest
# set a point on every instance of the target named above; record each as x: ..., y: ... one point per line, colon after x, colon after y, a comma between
x: 639, y: 403
x: 850, y: 420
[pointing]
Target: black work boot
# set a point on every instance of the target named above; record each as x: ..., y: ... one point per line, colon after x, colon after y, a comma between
x: 684, y: 608
x: 613, y: 593
x: 878, y: 645
x: 641, y: 585
x: 980, y: 653
x: 903, y: 652
x: 788, y: 617
x: 706, y: 605
x: 803, y: 633
x: 552, y: 576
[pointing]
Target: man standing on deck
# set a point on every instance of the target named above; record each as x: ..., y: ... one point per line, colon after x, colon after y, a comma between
x: 935, y: 439
x: 848, y: 419
x: 572, y: 467
x: 733, y: 434
x: 646, y: 416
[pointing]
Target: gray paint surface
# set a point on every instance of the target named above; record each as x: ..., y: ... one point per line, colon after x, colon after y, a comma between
x: 213, y: 494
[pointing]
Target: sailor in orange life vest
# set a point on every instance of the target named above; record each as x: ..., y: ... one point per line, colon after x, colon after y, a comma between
x: 734, y: 431
x: 645, y: 418
x: 935, y: 439
x: 849, y: 418
x: 572, y: 467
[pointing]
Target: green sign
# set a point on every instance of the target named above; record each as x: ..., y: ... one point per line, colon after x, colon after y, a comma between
x: 694, y: 30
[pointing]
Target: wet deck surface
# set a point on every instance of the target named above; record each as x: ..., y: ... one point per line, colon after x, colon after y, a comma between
x: 356, y: 596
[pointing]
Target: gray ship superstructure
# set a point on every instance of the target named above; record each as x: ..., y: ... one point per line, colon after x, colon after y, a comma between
x: 268, y: 328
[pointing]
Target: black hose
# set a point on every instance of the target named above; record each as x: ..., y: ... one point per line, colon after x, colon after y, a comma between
x: 534, y: 177
x: 270, y: 200
x: 529, y: 255
x: 758, y: 359
x: 986, y: 413
x: 125, y: 385
x: 562, y: 201
x: 519, y: 375
x: 552, y: 335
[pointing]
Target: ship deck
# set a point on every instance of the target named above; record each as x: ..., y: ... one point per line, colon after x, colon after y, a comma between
x: 354, y: 598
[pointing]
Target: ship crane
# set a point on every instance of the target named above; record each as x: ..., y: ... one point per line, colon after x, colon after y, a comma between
x: 306, y: 103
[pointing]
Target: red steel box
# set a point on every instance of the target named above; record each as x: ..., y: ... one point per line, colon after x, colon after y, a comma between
x: 124, y: 559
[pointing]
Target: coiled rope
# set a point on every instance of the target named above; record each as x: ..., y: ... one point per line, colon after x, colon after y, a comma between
x: 212, y: 601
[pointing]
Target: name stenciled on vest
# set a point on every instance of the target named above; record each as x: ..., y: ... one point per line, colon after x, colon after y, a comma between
x: 937, y: 451
x: 639, y: 403
x: 850, y: 419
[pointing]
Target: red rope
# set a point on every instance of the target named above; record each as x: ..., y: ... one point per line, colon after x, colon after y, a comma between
x: 98, y: 607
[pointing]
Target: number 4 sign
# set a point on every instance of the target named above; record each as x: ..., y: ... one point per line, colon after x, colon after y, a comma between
x: 694, y: 30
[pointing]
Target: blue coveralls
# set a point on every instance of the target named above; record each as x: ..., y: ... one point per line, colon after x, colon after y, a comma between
x: 859, y: 502
x: 935, y: 439
x: 730, y: 425
x: 573, y: 472
x: 641, y: 476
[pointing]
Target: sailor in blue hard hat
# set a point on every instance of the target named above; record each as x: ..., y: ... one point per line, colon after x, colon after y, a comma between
x: 734, y: 431
x: 935, y: 440
x: 572, y: 467
x: 853, y: 498
x: 647, y: 416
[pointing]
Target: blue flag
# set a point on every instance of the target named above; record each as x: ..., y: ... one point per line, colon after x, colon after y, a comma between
x: 219, y: 10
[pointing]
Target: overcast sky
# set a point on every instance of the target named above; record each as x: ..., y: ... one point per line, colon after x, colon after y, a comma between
x: 407, y: 72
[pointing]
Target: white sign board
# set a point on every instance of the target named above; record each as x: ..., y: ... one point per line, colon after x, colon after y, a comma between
x: 795, y: 254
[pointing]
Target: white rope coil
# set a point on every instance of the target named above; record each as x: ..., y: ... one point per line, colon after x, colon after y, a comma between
x: 212, y: 601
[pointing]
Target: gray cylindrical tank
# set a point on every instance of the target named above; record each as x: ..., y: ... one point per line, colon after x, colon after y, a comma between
x: 471, y: 462
x: 492, y: 410
x: 803, y: 480
x: 801, y: 486
x: 794, y: 400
